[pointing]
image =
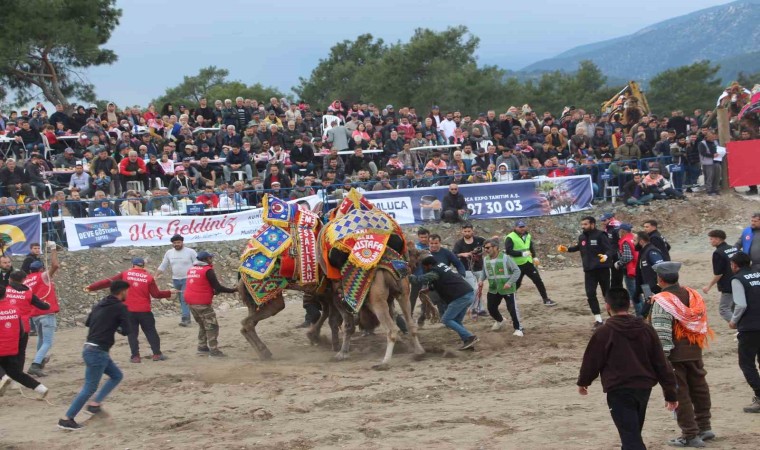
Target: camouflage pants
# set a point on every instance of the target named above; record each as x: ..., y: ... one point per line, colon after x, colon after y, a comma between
x: 208, y: 328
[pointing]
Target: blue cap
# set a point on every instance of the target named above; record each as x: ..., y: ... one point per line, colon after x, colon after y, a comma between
x: 607, y: 216
x: 36, y: 265
x: 520, y: 223
x: 138, y: 262
x: 626, y: 226
x: 204, y: 255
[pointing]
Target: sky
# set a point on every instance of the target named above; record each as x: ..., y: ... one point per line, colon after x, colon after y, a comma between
x: 160, y: 42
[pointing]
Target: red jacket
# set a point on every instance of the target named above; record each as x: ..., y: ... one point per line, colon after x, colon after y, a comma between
x: 198, y: 290
x: 630, y: 267
x: 10, y: 329
x: 43, y: 291
x: 124, y: 164
x: 142, y: 288
x: 22, y: 302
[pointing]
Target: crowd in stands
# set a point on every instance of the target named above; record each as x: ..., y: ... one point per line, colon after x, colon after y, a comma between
x: 131, y: 160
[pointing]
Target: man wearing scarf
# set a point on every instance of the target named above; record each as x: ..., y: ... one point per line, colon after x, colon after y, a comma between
x: 680, y: 319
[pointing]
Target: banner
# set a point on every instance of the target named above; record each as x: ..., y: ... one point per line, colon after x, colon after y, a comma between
x: 17, y: 232
x: 147, y: 231
x: 507, y: 199
x: 742, y: 163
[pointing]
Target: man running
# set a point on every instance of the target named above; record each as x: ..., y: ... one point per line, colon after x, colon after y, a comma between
x: 138, y: 303
x: 501, y: 273
x: 181, y: 259
x: 23, y: 299
x: 722, y: 273
x: 107, y: 317
x: 596, y: 252
x: 519, y: 245
x: 202, y: 284
x: 44, y: 321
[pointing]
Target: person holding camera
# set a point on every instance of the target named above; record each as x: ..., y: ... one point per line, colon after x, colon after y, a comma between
x: 469, y: 250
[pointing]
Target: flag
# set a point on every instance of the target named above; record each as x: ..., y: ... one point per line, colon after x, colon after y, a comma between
x: 19, y: 231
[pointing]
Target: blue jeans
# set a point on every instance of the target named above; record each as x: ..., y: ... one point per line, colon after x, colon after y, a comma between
x: 180, y: 285
x: 98, y: 362
x: 45, y: 326
x: 455, y: 312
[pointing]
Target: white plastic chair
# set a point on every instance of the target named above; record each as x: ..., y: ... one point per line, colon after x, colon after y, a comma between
x: 327, y: 121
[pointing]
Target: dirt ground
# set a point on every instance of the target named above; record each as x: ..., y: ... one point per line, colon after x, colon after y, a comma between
x: 515, y: 393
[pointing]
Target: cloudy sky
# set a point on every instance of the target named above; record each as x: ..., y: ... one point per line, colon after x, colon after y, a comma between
x: 160, y: 42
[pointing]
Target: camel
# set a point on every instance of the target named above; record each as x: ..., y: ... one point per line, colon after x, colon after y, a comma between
x: 384, y: 289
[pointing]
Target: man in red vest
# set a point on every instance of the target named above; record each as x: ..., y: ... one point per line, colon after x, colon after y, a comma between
x: 40, y: 281
x: 23, y: 299
x: 142, y: 288
x: 626, y: 262
x: 201, y: 286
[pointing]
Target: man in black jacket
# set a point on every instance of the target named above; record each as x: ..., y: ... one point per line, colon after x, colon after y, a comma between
x: 646, y: 278
x: 650, y: 226
x: 626, y: 352
x: 596, y: 256
x: 301, y: 156
x: 14, y: 179
x: 453, y: 205
x: 107, y: 317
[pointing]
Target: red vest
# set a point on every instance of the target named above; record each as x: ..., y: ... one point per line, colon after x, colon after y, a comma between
x: 10, y: 329
x: 198, y: 290
x: 43, y: 291
x: 138, y: 295
x: 22, y: 302
x: 630, y: 268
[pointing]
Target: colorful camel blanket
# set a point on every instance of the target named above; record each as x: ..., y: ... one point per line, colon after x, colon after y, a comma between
x: 356, y: 281
x: 262, y: 291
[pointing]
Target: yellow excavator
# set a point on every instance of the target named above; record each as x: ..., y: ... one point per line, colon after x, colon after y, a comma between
x: 629, y: 105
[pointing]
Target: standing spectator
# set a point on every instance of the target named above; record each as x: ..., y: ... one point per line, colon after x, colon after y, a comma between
x: 657, y: 239
x: 711, y: 168
x: 107, y: 317
x: 453, y: 205
x: 680, y: 319
x: 628, y: 151
x: 626, y: 352
x: 596, y: 255
x: 338, y: 136
x: 746, y: 319
x: 181, y: 259
x: 722, y: 273
x: 749, y: 241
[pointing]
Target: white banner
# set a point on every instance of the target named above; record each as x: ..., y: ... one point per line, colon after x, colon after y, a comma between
x: 147, y: 231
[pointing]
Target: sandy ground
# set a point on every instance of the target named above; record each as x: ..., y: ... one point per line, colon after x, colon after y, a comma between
x: 516, y: 393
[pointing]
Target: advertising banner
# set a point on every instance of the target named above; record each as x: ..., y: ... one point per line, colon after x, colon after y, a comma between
x: 18, y: 231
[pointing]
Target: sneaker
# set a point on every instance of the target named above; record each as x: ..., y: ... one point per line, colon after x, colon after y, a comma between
x: 469, y: 343
x: 92, y: 409
x: 68, y: 424
x: 707, y: 435
x: 497, y: 326
x: 754, y: 407
x: 5, y: 381
x: 518, y: 333
x: 216, y: 353
x: 160, y: 357
x: 549, y: 302
x: 41, y: 392
x: 682, y: 442
x: 305, y: 324
x: 136, y: 359
x: 597, y: 325
x: 185, y: 322
x: 203, y: 350
x: 36, y: 370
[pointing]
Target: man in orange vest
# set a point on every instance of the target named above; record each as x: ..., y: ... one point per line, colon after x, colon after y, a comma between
x: 142, y: 288
x: 23, y: 299
x: 626, y: 262
x: 40, y: 281
x: 201, y: 286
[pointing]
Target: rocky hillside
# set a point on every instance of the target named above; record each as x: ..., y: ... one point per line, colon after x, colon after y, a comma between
x: 683, y: 223
x: 727, y: 33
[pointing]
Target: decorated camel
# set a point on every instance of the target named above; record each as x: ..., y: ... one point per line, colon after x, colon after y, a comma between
x: 281, y: 255
x: 362, y: 250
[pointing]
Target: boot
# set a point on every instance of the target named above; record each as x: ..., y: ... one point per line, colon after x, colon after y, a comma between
x: 36, y: 370
x: 754, y: 407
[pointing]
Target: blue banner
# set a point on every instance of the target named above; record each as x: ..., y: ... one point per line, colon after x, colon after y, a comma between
x: 17, y: 232
x: 508, y: 199
x: 97, y: 233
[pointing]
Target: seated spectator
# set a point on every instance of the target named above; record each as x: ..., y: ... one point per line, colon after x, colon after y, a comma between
x: 183, y: 199
x: 154, y: 170
x: 14, y: 180
x: 358, y: 162
x: 231, y: 199
x: 81, y: 180
x: 104, y: 210
x: 384, y: 184
x: 502, y: 173
x: 276, y: 176
x: 301, y: 190
x: 524, y: 173
x: 635, y: 192
x: 453, y: 205
x: 301, y: 155
x: 279, y: 192
x: 437, y: 165
x: 132, y: 168
x: 161, y: 201
x: 132, y: 204
x: 237, y: 160
x: 208, y: 198
x: 102, y: 182
x: 659, y: 187
x: 479, y: 176
x: 561, y: 170
x: 181, y: 179
x: 206, y: 172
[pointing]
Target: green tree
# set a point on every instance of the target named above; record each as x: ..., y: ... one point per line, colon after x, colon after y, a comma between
x: 48, y: 44
x: 748, y: 79
x: 211, y: 82
x: 686, y: 87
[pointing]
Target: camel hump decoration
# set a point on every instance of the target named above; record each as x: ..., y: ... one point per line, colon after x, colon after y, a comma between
x: 282, y: 252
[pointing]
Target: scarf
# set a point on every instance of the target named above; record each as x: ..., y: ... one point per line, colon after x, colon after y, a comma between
x: 691, y: 321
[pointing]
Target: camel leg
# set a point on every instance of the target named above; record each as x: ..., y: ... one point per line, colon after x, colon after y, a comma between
x: 335, y: 321
x: 255, y: 316
x: 378, y: 303
x: 316, y: 328
x: 349, y: 326
x: 406, y: 309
